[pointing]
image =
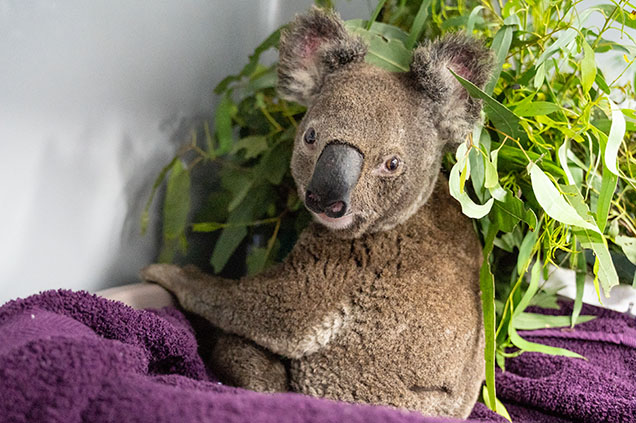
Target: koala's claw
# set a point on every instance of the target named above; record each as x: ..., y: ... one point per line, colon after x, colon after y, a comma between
x: 169, y: 276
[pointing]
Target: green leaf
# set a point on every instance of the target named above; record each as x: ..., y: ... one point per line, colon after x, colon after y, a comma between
x: 418, y: 24
x: 539, y: 76
x: 526, y: 251
x: 275, y: 163
x: 236, y: 231
x: 521, y: 343
x: 145, y: 216
x: 263, y: 80
x: 376, y: 13
x: 223, y: 124
x: 384, y: 30
x: 499, y: 407
x: 553, y: 202
x: 513, y: 159
x: 628, y: 245
x: 565, y: 38
x: 580, y: 268
x: 592, y: 239
x: 256, y: 260
x: 563, y: 161
x: 389, y: 54
x: 487, y: 287
x: 600, y: 81
x: 608, y: 187
x: 588, y: 67
x: 176, y: 204
x: 615, y: 138
x: 605, y: 269
x: 619, y: 15
x: 470, y: 24
x: 533, y: 321
x: 536, y: 108
x: 527, y: 296
x: 545, y: 300
x: 207, y: 226
x: 504, y: 119
x: 469, y: 208
x: 500, y: 44
x: 253, y: 145
x: 510, y: 211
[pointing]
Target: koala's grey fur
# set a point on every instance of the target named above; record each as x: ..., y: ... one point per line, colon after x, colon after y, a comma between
x: 386, y: 308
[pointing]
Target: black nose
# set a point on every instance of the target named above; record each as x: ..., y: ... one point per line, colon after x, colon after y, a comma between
x: 315, y: 204
x: 335, y: 175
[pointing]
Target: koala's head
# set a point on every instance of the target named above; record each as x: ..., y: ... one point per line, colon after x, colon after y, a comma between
x: 367, y: 153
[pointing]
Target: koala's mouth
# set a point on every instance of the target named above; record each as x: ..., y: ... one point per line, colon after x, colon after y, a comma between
x: 335, y: 223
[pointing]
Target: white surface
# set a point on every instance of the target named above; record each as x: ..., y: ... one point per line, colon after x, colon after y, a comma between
x: 622, y: 297
x: 139, y: 295
x: 92, y: 94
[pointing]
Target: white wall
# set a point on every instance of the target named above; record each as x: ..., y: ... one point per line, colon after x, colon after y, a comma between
x: 92, y: 94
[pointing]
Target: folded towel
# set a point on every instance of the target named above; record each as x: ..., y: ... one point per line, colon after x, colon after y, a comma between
x: 75, y: 357
x: 542, y: 388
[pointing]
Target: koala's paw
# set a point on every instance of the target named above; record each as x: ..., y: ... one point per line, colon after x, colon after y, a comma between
x: 169, y: 276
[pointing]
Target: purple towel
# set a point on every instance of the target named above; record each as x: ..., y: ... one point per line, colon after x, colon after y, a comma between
x: 71, y: 356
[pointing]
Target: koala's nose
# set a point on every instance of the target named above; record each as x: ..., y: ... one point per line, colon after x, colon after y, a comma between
x: 315, y: 204
x: 335, y: 175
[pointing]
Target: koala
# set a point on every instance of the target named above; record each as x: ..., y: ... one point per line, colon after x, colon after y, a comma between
x: 379, y: 300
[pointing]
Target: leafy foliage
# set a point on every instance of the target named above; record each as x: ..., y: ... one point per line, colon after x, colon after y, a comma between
x: 549, y: 177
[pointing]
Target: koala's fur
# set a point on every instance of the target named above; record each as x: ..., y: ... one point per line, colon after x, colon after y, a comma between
x: 386, y: 308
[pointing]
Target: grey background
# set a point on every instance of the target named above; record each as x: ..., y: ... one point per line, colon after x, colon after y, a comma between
x: 92, y: 98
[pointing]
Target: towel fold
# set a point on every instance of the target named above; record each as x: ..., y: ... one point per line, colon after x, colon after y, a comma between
x: 75, y: 357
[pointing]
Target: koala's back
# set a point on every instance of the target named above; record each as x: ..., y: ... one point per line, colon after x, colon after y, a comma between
x: 409, y: 330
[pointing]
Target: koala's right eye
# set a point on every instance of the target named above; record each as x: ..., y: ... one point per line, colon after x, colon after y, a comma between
x: 310, y: 136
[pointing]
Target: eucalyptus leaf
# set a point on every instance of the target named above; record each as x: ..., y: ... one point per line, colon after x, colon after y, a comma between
x: 387, y: 53
x: 253, y: 145
x: 617, y: 14
x: 418, y: 24
x: 533, y: 321
x: 521, y: 343
x: 500, y: 45
x: 504, y: 119
x: 553, y: 202
x: 223, y: 124
x: 177, y: 201
x: 472, y: 18
x: 487, y: 287
x: 628, y: 244
x: 232, y: 235
x: 564, y: 39
x: 588, y: 67
x: 510, y: 211
x: 536, y: 108
x: 604, y: 268
x: 469, y: 207
x: 256, y: 259
x: 615, y: 137
x: 608, y: 187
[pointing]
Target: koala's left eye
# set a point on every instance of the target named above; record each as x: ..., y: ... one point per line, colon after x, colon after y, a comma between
x: 392, y: 164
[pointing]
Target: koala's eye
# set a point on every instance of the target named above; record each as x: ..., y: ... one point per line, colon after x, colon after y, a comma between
x: 392, y: 164
x: 310, y: 136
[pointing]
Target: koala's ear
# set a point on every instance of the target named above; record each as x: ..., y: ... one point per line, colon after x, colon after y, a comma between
x: 314, y: 45
x: 468, y: 58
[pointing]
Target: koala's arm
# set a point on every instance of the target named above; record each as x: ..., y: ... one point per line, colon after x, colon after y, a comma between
x: 293, y: 309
